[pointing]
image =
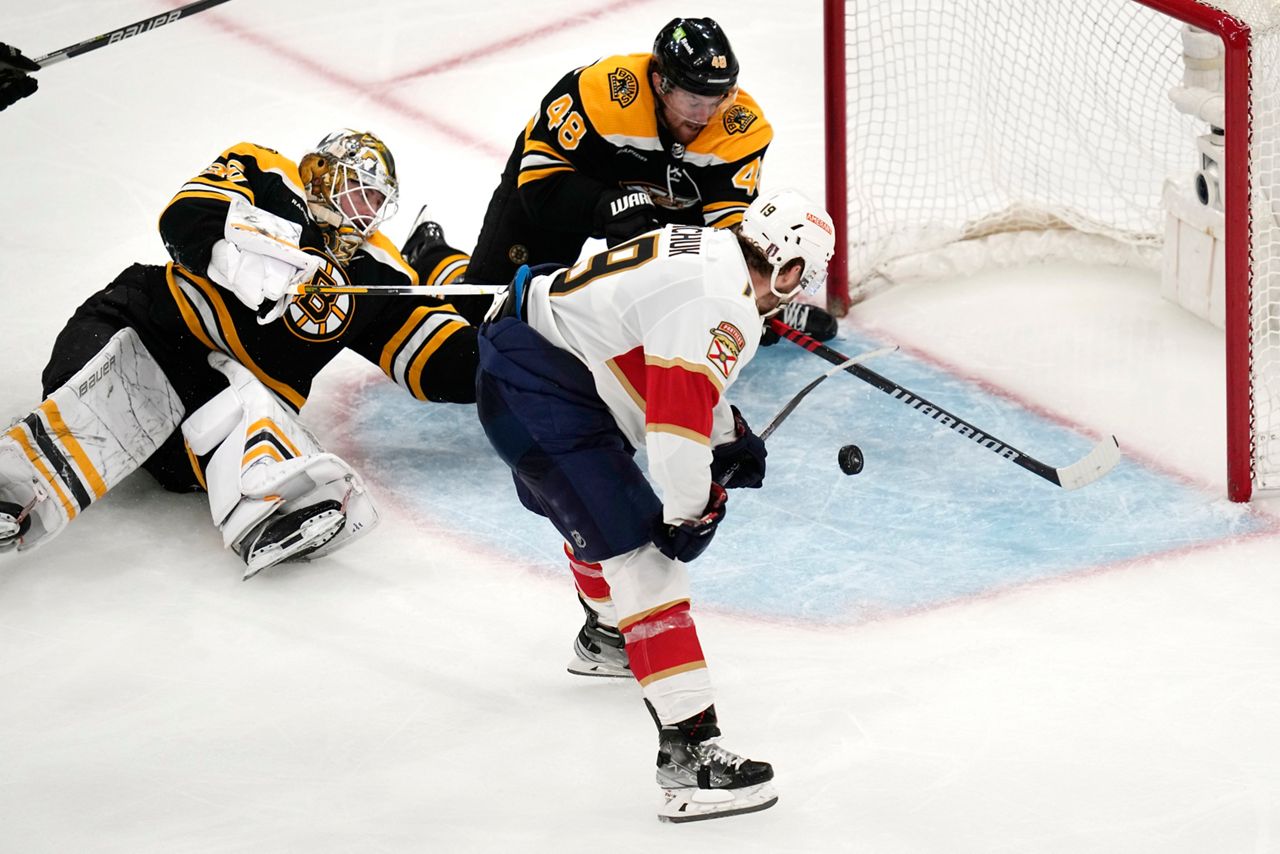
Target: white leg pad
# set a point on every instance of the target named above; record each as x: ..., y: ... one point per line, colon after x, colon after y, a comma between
x: 87, y: 436
x: 267, y: 463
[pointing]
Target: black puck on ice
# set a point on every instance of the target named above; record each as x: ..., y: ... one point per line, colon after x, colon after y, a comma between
x: 850, y: 458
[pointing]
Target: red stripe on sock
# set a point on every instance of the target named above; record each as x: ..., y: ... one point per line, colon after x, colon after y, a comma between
x: 664, y: 641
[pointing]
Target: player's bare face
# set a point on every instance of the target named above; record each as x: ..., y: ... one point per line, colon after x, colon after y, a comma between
x: 685, y: 114
x: 361, y: 205
x: 783, y: 289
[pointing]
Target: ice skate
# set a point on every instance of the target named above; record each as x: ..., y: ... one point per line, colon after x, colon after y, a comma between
x: 15, y: 520
x: 811, y: 320
x: 702, y: 780
x: 424, y: 236
x: 291, y: 536
x: 599, y: 650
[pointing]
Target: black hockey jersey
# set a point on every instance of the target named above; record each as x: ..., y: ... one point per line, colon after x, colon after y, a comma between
x: 420, y: 343
x: 597, y: 131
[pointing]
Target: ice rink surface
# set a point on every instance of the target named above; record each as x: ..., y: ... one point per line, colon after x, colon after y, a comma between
x: 941, y: 654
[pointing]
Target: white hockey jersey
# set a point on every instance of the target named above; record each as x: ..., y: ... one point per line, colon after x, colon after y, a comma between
x: 665, y: 323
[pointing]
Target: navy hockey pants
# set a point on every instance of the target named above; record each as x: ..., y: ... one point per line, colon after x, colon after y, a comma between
x: 570, y: 462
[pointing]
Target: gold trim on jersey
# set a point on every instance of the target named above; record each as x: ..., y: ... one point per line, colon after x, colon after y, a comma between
x: 739, y: 132
x: 723, y: 214
x: 407, y: 351
x: 692, y: 367
x: 449, y: 268
x: 379, y: 247
x: 527, y: 175
x: 677, y: 430
x: 610, y: 115
x: 224, y: 328
x: 612, y: 365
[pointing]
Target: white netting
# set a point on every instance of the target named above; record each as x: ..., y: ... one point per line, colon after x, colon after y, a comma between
x: 1263, y: 17
x: 972, y: 125
x: 997, y: 115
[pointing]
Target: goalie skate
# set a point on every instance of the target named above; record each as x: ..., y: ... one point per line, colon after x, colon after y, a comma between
x: 291, y: 536
x: 702, y: 780
x: 14, y: 522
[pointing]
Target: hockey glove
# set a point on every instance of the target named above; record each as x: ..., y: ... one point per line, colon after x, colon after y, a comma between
x: 686, y: 541
x: 742, y: 459
x: 15, y: 79
x: 623, y: 214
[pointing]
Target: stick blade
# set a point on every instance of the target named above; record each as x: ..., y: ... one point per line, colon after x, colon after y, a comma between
x: 1091, y: 466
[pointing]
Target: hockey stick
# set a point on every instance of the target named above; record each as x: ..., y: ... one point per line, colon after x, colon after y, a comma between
x: 1093, y: 465
x: 800, y: 395
x: 146, y: 25
x: 400, y: 290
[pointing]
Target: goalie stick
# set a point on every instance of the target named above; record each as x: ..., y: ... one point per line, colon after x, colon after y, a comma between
x: 1093, y: 465
x: 399, y: 290
x: 146, y: 25
x: 791, y: 404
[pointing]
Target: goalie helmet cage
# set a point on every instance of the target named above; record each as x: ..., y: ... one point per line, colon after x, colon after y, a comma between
x: 954, y: 130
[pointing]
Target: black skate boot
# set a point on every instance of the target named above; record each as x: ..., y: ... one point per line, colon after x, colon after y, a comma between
x: 15, y: 520
x: 702, y: 780
x: 291, y: 536
x: 811, y: 320
x: 599, y: 650
x: 425, y: 236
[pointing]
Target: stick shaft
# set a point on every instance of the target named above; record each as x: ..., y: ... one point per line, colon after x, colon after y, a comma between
x: 401, y: 290
x: 146, y: 25
x: 1100, y: 460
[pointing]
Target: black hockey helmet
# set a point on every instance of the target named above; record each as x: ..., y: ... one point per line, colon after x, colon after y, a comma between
x: 694, y: 54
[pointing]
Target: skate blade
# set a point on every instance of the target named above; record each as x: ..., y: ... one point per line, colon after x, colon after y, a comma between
x: 578, y: 667
x: 314, y: 533
x: 693, y: 804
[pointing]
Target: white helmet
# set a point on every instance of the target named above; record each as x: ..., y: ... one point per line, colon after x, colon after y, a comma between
x: 785, y: 225
x: 350, y: 178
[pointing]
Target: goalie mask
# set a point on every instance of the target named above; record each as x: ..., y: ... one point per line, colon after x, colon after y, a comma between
x: 350, y: 179
x: 785, y: 225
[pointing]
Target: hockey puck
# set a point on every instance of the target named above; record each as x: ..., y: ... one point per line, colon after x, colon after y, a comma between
x: 850, y: 459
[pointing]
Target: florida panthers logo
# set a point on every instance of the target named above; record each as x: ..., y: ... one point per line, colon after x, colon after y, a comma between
x: 321, y: 317
x: 623, y: 86
x: 727, y: 342
x: 738, y: 118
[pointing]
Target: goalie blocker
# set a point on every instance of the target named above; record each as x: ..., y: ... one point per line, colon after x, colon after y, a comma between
x: 273, y: 491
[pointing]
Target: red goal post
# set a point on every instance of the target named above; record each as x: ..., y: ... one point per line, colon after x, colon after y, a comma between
x: 954, y: 129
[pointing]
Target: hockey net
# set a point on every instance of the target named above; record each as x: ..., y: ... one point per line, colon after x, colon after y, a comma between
x: 965, y: 135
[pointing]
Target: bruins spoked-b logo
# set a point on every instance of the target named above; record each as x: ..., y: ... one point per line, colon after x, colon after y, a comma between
x: 624, y: 87
x: 321, y: 317
x: 738, y: 118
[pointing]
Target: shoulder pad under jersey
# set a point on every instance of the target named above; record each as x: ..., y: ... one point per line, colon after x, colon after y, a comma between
x: 740, y: 131
x: 617, y: 98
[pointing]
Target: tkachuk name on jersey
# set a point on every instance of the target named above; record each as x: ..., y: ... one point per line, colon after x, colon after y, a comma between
x: 685, y: 240
x: 144, y: 27
x: 961, y: 427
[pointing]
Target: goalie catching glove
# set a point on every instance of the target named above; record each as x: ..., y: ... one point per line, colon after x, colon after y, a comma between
x: 259, y: 259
